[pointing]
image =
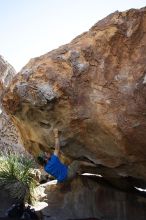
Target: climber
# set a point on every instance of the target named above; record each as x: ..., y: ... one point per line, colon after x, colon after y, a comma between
x: 52, y: 164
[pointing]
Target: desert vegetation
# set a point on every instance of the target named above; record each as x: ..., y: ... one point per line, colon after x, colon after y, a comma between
x: 16, y: 176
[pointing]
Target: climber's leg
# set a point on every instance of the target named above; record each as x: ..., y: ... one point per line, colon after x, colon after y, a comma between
x: 73, y: 169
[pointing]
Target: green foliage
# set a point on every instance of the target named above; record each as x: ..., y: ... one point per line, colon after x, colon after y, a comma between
x: 15, y: 176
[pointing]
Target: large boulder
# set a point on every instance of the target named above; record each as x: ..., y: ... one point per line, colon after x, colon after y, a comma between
x: 93, y: 91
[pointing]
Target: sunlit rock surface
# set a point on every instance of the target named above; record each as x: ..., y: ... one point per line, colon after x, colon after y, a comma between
x: 7, y: 72
x: 9, y: 135
x: 93, y: 90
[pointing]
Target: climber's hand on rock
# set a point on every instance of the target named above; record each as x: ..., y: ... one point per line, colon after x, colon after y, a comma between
x: 56, y: 133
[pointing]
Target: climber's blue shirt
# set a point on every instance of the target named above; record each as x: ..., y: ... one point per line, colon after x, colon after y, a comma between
x: 56, y: 168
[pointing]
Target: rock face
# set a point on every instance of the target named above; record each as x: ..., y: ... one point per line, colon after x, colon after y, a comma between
x: 83, y: 199
x: 9, y: 135
x: 93, y: 91
x: 7, y: 72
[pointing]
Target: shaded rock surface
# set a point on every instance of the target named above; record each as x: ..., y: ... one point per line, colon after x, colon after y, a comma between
x: 5, y: 202
x: 11, y: 209
x: 90, y: 198
x: 9, y: 134
x: 93, y: 91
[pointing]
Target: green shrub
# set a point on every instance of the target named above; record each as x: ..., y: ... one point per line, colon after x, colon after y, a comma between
x: 15, y: 176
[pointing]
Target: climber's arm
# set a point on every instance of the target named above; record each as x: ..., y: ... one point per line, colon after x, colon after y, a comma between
x: 57, y: 142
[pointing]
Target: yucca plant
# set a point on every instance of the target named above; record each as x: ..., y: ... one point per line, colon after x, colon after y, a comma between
x: 15, y: 176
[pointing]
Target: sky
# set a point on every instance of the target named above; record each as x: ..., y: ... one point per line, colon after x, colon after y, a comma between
x: 30, y: 28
